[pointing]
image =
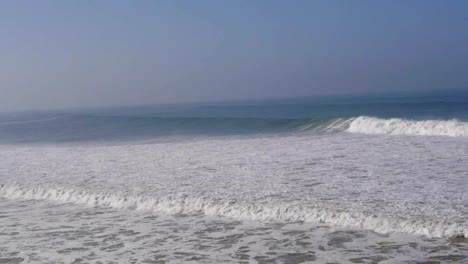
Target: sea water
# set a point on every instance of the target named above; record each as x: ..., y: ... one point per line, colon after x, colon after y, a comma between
x: 348, y: 179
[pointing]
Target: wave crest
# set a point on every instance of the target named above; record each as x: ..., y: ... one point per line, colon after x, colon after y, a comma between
x: 397, y: 126
x: 182, y: 204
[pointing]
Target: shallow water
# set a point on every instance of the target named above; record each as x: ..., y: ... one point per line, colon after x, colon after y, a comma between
x: 381, y: 183
x: 41, y: 232
x: 331, y: 198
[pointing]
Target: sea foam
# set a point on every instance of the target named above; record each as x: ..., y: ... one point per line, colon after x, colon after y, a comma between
x: 397, y: 126
x: 385, y: 184
x: 283, y: 212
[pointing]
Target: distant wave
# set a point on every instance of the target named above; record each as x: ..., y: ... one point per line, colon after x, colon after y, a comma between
x: 397, y: 126
x: 361, y: 124
x: 269, y: 213
x: 16, y: 122
x: 94, y: 127
x: 214, y: 124
x: 332, y: 125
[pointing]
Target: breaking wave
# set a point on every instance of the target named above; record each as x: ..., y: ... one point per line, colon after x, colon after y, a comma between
x: 182, y: 204
x: 397, y: 126
x: 98, y: 128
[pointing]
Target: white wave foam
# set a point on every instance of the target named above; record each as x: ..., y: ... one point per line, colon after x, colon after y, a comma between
x: 397, y: 126
x: 278, y: 213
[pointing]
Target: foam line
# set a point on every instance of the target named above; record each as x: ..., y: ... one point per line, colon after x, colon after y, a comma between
x: 284, y: 212
x: 397, y: 126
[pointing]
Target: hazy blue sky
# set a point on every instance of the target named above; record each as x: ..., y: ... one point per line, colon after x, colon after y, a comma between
x: 56, y: 54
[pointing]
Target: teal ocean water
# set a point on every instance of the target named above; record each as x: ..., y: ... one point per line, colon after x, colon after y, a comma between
x: 323, y: 114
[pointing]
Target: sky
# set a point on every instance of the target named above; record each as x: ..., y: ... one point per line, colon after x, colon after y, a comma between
x: 64, y: 54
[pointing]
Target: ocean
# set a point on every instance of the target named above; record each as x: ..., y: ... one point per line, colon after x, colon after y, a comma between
x: 337, y: 179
